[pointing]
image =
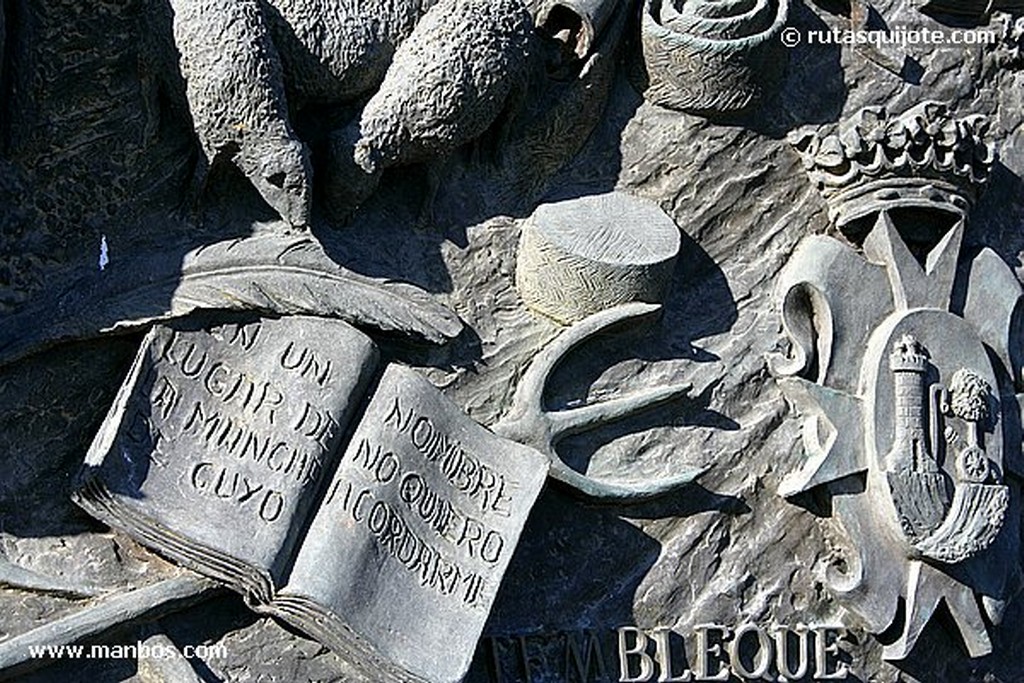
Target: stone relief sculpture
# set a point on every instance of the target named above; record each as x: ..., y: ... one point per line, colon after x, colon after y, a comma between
x: 581, y: 256
x: 712, y: 56
x: 578, y: 23
x: 418, y: 482
x: 590, y: 263
x: 296, y: 276
x: 938, y: 528
x: 905, y: 392
x: 263, y: 257
x: 463, y: 65
x: 242, y: 101
x: 528, y: 422
x: 925, y: 158
x: 239, y: 99
x: 975, y: 9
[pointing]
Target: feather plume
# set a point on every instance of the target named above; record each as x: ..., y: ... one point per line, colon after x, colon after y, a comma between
x: 273, y: 274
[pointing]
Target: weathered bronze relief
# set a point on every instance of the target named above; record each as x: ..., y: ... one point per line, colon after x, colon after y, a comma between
x: 908, y: 388
x: 507, y: 341
x: 203, y: 429
x: 712, y: 57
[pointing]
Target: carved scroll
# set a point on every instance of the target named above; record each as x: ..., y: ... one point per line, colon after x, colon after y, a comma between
x: 578, y: 22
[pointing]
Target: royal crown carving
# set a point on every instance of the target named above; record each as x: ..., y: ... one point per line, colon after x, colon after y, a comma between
x: 908, y: 396
x: 925, y: 157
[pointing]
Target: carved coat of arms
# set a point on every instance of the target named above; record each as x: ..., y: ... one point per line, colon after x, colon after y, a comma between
x: 903, y: 366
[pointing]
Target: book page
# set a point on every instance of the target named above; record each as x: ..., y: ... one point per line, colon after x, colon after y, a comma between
x: 224, y: 436
x: 417, y: 527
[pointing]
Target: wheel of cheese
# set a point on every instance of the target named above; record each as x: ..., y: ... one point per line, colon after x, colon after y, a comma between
x: 583, y: 255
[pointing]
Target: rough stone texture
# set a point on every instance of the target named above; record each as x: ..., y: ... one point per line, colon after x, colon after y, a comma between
x: 94, y: 158
x: 448, y: 83
x: 579, y: 257
x: 236, y: 96
x: 338, y: 51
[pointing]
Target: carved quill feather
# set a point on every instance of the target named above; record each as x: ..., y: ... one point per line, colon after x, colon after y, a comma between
x: 273, y: 274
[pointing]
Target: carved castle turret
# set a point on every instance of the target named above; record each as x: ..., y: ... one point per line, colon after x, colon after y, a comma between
x: 918, y: 485
x: 910, y: 451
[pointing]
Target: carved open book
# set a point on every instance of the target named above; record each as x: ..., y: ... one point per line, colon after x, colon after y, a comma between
x: 373, y: 515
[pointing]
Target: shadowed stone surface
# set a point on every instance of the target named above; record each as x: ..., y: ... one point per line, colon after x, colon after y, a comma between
x: 98, y: 142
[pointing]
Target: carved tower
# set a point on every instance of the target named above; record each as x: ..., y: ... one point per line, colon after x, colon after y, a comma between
x: 910, y: 451
x: 918, y: 485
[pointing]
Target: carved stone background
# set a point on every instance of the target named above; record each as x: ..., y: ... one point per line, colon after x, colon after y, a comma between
x: 97, y: 147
